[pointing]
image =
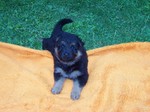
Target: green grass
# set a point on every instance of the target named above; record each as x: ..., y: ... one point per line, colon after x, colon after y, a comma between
x: 97, y: 22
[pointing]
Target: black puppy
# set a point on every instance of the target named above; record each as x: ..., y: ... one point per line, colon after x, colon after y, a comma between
x: 70, y: 59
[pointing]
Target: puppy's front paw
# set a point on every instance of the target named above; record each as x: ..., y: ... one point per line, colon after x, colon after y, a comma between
x: 75, y: 95
x: 58, y: 86
x: 56, y: 90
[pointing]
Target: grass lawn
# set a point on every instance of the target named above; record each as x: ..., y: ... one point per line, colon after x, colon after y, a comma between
x: 97, y: 22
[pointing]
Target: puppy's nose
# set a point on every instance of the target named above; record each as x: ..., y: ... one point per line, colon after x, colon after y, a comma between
x: 66, y: 54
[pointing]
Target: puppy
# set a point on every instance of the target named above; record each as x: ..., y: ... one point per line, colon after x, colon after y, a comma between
x: 70, y: 59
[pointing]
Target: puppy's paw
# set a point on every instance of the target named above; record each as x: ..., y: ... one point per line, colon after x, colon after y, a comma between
x: 56, y: 90
x: 75, y: 95
x: 58, y: 86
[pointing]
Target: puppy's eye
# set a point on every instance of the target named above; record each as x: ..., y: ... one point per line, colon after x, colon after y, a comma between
x: 74, y: 48
x: 60, y: 47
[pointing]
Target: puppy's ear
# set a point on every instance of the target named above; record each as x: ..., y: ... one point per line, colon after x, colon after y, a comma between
x: 81, y: 43
x: 45, y: 43
x: 48, y: 44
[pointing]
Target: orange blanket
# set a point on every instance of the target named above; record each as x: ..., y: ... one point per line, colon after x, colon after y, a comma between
x: 119, y: 81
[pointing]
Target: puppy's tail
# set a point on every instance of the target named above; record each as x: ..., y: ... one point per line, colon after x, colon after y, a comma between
x: 59, y: 25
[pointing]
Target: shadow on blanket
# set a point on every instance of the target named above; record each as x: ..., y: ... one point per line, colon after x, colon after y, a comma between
x: 119, y: 81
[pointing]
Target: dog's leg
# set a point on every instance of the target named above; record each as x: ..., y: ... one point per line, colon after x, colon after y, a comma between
x: 78, y: 85
x: 58, y: 85
x: 75, y: 94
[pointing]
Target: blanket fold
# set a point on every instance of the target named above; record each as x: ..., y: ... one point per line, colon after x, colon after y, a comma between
x: 119, y: 80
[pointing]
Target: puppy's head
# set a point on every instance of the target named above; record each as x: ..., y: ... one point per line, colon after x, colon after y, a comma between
x: 68, y: 49
x: 49, y: 43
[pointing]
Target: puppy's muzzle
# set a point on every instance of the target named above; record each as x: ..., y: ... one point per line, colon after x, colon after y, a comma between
x: 67, y: 56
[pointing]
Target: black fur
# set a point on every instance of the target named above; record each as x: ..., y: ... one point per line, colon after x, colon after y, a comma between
x: 65, y: 48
